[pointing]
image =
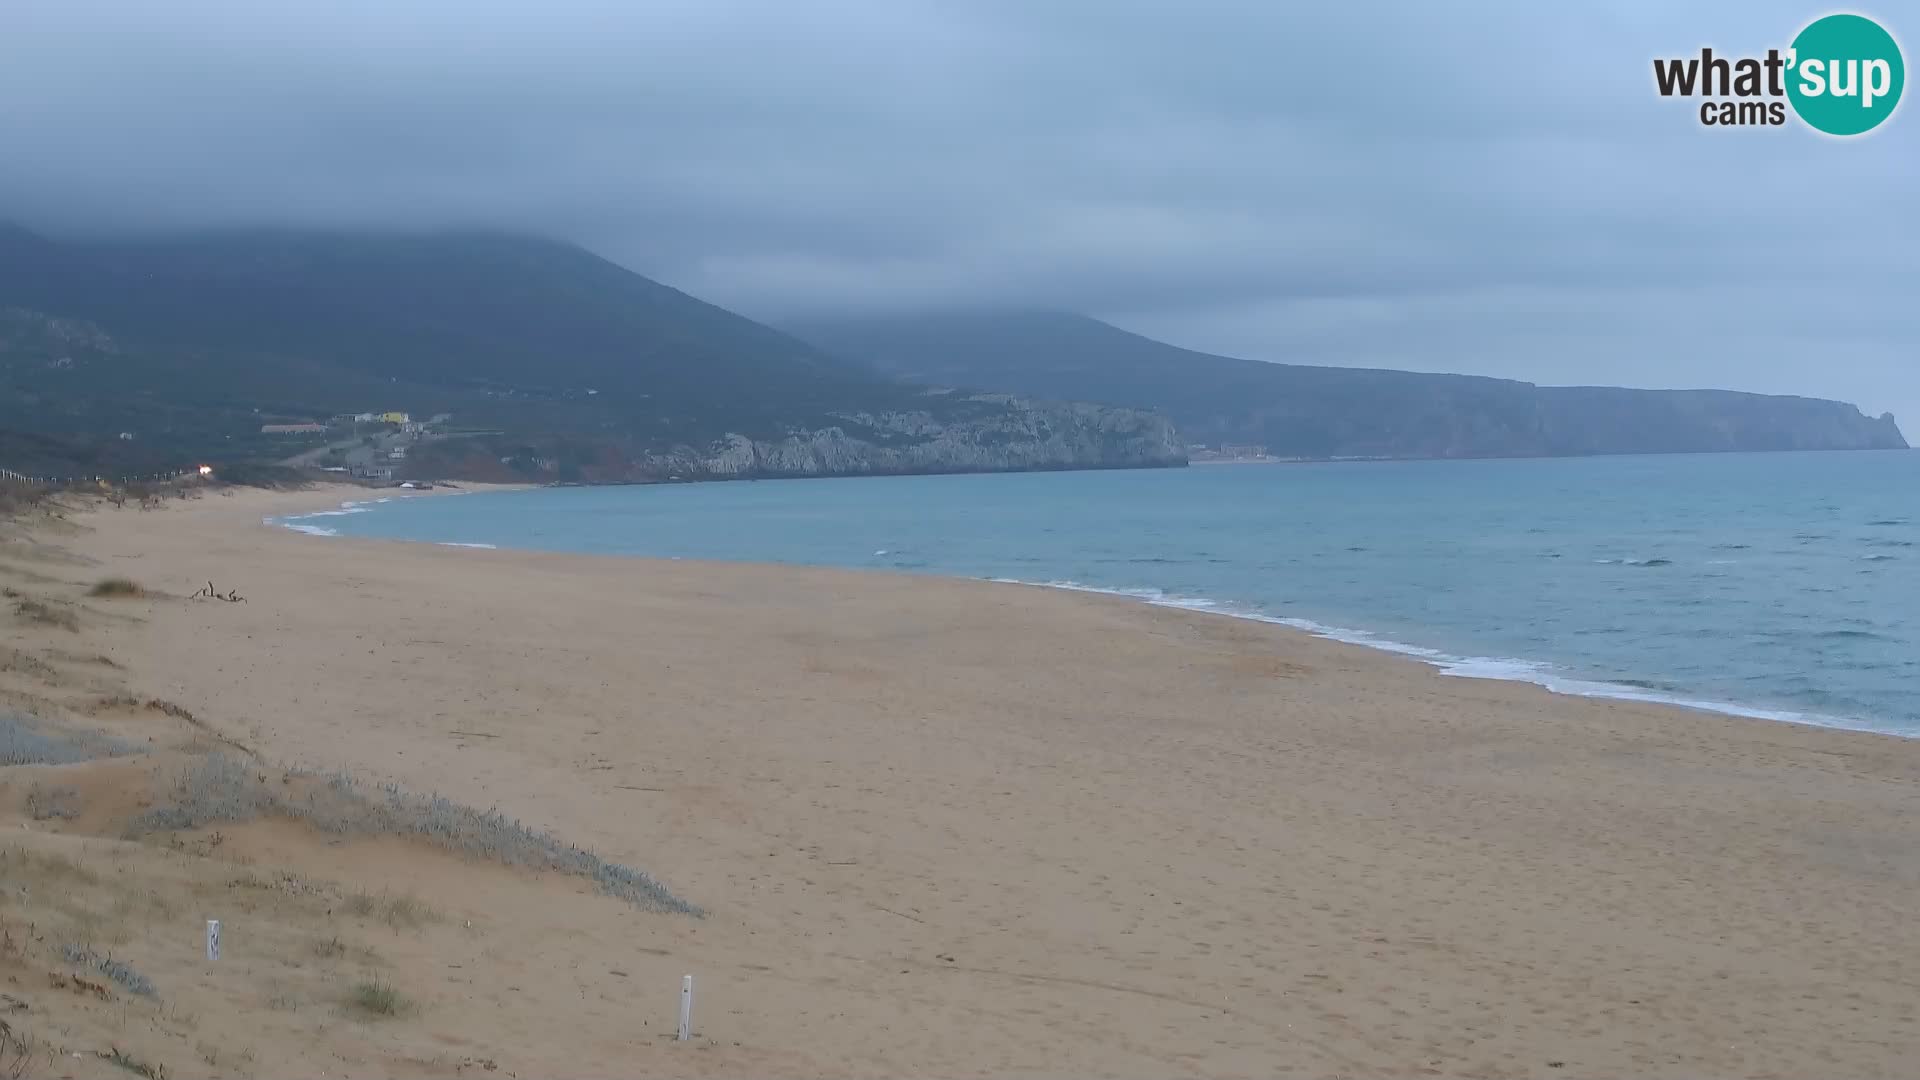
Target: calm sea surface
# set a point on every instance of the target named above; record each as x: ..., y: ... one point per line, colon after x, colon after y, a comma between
x: 1773, y: 585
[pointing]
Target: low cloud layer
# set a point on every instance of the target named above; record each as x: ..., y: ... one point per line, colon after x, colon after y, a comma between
x: 1387, y: 184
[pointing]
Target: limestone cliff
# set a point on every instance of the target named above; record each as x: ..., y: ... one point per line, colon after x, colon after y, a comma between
x: 1020, y: 436
x: 969, y: 433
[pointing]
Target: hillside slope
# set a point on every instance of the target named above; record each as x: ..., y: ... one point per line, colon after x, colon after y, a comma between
x: 1326, y: 412
x: 575, y: 368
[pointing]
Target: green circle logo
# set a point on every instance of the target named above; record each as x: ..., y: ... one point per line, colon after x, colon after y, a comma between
x: 1845, y: 74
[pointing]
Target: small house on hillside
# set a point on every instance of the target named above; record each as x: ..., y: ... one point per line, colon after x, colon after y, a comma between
x: 395, y: 418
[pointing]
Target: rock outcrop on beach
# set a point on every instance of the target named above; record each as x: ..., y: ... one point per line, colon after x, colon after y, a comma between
x: 544, y: 361
x: 1322, y: 412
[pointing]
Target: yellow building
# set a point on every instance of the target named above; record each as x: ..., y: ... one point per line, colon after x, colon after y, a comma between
x: 395, y: 418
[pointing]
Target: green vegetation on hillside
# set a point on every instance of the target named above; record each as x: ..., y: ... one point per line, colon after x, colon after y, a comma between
x: 556, y: 364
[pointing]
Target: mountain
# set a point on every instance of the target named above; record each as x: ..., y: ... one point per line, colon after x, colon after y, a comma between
x: 1325, y: 412
x: 554, y: 363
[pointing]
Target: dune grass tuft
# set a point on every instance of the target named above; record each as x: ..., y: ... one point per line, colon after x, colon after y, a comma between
x: 117, y: 588
x: 118, y: 970
x: 376, y: 997
x: 397, y: 910
x: 217, y: 789
x: 39, y: 611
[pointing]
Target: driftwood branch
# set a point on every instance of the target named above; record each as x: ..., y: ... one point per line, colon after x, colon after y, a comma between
x: 231, y: 596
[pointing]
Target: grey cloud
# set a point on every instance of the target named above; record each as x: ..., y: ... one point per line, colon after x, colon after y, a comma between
x: 1494, y: 189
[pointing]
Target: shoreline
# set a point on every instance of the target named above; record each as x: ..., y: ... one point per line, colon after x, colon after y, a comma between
x: 1551, y: 676
x: 941, y: 826
x: 1493, y: 669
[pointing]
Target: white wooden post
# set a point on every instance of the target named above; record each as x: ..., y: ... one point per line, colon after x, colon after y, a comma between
x: 213, y: 940
x: 686, y: 1007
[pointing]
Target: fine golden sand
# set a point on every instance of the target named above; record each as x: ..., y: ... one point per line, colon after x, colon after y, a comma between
x: 953, y: 828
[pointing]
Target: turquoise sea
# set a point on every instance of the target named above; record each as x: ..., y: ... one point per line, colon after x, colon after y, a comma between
x: 1782, y: 586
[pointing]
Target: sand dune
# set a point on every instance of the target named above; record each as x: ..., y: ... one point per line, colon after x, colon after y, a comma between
x: 957, y: 828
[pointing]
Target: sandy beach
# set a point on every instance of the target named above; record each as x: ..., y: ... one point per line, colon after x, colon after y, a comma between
x: 956, y: 828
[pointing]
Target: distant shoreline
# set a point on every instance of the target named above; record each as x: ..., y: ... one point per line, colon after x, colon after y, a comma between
x: 1532, y: 673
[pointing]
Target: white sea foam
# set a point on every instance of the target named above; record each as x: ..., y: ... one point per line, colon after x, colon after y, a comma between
x: 1505, y: 669
x: 1502, y: 669
x: 299, y: 523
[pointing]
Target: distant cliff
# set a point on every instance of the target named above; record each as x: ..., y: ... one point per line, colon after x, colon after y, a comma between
x: 1322, y: 412
x: 966, y: 433
x: 1008, y: 435
x: 1609, y: 420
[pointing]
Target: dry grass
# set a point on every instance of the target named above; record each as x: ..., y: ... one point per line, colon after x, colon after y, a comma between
x: 135, y: 1065
x: 14, y: 660
x: 19, y: 1053
x: 129, y: 702
x: 397, y: 910
x: 217, y: 789
x: 115, y: 929
x: 58, y: 801
x: 34, y: 869
x: 39, y: 611
x: 117, y: 588
x: 88, y: 903
x: 16, y: 498
x: 379, y: 998
x: 118, y: 970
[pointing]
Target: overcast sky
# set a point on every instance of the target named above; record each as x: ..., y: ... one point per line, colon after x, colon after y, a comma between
x: 1388, y: 184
